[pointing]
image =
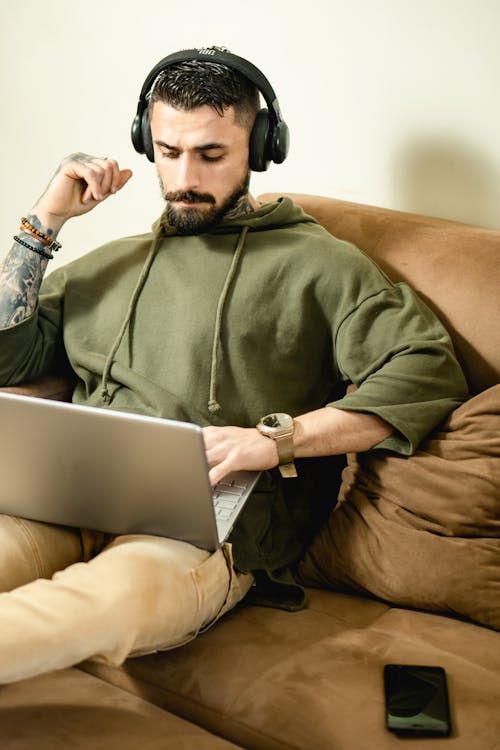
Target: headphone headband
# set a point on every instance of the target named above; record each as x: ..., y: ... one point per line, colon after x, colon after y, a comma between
x: 269, y: 138
x: 204, y: 54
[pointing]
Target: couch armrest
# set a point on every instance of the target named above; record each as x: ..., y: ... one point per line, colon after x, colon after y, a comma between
x: 54, y: 387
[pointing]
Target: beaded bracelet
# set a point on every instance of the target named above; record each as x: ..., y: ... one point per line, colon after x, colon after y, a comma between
x: 35, y: 249
x: 26, y: 226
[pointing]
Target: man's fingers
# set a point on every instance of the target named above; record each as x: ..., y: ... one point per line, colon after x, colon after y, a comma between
x: 107, y: 172
x: 125, y: 175
x: 113, y: 178
x: 87, y: 195
x: 110, y: 178
x: 218, y: 472
x: 102, y: 176
x: 102, y: 189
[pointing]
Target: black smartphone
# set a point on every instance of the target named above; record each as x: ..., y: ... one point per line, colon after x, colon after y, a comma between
x: 416, y: 700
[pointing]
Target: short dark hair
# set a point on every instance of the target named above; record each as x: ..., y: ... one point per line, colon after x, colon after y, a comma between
x: 195, y: 83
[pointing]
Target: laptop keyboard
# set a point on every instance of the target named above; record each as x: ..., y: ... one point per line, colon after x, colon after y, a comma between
x: 226, y: 497
x: 229, y: 496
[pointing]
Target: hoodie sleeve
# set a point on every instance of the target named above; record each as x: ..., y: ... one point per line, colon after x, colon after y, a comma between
x: 35, y: 347
x: 401, y: 358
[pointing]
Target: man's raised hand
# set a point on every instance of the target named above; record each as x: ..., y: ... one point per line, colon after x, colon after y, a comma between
x: 80, y: 183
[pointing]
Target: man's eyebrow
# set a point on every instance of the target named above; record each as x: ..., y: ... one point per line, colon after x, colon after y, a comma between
x: 203, y: 147
x: 210, y: 147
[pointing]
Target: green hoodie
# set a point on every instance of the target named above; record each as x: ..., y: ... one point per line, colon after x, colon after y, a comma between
x: 264, y: 313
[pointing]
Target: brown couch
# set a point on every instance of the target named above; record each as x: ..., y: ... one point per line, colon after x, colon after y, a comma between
x: 268, y: 679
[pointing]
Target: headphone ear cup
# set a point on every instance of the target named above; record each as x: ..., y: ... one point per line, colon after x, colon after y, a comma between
x: 258, y: 152
x: 281, y: 142
x: 136, y: 134
x: 147, y: 138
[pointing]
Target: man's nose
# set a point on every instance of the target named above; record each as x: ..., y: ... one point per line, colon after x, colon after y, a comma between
x: 187, y: 177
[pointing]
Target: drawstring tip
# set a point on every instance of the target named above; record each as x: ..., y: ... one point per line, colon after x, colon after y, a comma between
x: 213, y: 406
x: 105, y: 396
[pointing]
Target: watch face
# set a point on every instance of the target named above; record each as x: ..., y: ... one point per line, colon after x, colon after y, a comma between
x: 277, y: 420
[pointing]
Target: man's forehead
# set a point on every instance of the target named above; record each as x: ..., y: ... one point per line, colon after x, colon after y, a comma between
x: 198, y: 116
x: 194, y: 128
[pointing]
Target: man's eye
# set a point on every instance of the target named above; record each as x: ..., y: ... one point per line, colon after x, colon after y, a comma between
x: 169, y: 154
x: 206, y: 157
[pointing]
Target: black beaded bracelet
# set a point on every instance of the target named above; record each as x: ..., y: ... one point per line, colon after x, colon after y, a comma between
x: 35, y: 249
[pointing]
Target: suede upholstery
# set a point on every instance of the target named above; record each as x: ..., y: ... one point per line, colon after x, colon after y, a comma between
x: 266, y: 679
x: 313, y: 679
x: 440, y: 505
x: 71, y: 710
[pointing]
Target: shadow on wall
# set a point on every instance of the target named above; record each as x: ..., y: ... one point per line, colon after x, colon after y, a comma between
x: 447, y: 179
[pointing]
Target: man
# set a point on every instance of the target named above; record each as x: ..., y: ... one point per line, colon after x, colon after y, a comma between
x: 227, y: 312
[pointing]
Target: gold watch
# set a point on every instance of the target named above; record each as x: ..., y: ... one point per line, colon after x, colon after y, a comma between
x: 279, y: 427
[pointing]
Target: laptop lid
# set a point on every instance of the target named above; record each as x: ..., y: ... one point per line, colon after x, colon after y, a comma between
x: 106, y: 470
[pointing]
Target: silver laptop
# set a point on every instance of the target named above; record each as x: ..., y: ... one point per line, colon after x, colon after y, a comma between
x: 113, y: 471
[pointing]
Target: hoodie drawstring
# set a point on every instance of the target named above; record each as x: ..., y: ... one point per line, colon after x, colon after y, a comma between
x: 105, y: 395
x: 213, y: 404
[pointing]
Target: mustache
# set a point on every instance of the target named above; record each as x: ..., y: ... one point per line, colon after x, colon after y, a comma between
x: 189, y: 196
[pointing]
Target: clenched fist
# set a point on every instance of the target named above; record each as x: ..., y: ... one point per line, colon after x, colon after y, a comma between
x: 79, y: 184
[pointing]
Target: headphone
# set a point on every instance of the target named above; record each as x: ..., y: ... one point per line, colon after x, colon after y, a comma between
x: 269, y: 139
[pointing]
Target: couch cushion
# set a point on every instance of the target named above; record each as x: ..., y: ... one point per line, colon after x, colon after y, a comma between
x: 270, y: 680
x: 71, y: 710
x: 423, y: 531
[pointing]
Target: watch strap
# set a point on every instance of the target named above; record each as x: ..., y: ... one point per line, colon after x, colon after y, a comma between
x: 288, y: 471
x: 284, y: 444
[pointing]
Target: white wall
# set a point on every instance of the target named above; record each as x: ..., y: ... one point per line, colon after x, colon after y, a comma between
x: 389, y: 102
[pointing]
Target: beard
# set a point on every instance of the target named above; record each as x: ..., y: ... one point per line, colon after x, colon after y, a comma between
x: 198, y: 220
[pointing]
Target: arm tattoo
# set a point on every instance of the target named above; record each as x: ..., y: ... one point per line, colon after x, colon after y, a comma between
x: 21, y: 276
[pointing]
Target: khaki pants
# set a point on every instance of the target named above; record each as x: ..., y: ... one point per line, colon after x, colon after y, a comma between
x: 137, y: 595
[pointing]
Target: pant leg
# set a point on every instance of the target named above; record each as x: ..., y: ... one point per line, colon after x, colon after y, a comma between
x: 141, y: 594
x: 30, y: 550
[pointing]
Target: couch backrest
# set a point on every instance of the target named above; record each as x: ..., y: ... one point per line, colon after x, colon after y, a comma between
x: 454, y: 267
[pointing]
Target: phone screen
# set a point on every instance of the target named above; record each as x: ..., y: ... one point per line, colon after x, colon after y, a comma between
x: 416, y: 700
